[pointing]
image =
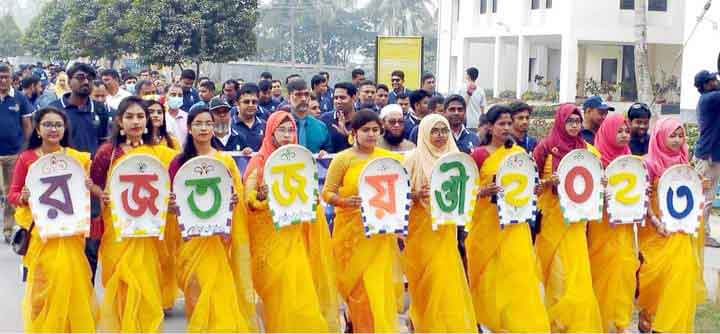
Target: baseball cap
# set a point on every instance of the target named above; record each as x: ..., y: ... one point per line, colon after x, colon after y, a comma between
x: 703, y: 77
x: 217, y: 103
x: 596, y: 102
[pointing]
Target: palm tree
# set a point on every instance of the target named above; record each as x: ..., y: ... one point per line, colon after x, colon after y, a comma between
x: 402, y: 17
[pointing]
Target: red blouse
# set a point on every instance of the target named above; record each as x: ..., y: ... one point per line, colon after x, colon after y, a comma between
x: 24, y: 160
x: 99, y: 169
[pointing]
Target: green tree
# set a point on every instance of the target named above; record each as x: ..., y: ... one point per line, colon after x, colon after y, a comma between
x: 401, y: 17
x: 174, y: 32
x: 42, y: 38
x: 10, y: 37
x: 97, y: 29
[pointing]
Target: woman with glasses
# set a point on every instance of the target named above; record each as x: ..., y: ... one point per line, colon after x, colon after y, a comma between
x: 208, y: 266
x: 58, y: 271
x: 131, y: 268
x: 502, y: 265
x: 369, y: 274
x: 439, y: 292
x: 292, y: 266
x: 562, y: 247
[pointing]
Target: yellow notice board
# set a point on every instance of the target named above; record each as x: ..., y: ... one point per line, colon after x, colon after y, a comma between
x: 399, y: 53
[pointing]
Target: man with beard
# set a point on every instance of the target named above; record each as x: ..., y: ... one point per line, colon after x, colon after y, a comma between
x: 338, y: 121
x: 639, y: 117
x: 594, y: 112
x: 311, y: 132
x: 465, y: 139
x: 393, y: 138
x: 520, y: 125
x: 225, y: 137
x: 31, y: 88
x: 190, y: 94
x: 89, y: 119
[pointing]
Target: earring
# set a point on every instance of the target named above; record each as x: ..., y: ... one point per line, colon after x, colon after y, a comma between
x: 122, y: 132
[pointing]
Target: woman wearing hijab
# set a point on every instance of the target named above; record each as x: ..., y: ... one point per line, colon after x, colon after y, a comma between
x: 204, y: 264
x: 439, y: 291
x: 369, y: 273
x: 131, y: 267
x: 502, y: 266
x: 613, y: 253
x: 668, y: 276
x: 292, y: 267
x: 561, y: 247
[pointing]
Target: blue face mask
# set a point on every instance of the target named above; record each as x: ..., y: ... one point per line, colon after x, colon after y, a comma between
x: 131, y: 89
x: 175, y: 102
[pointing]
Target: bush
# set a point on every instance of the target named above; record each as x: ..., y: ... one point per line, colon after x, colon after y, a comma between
x: 691, y: 136
x: 540, y: 127
x: 544, y: 111
x: 532, y: 96
x: 507, y: 94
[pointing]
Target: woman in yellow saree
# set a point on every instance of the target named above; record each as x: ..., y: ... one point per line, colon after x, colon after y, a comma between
x: 292, y: 267
x: 668, y: 276
x: 613, y: 253
x: 562, y: 248
x: 59, y: 296
x: 502, y: 266
x: 131, y: 268
x: 439, y: 293
x: 368, y: 269
x: 204, y: 265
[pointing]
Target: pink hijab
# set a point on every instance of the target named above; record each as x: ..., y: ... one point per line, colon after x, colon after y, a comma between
x: 660, y: 157
x: 605, y: 139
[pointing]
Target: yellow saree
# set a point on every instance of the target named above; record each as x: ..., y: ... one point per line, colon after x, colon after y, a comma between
x: 58, y: 296
x: 563, y: 252
x: 132, y: 270
x: 502, y: 266
x: 368, y: 269
x: 206, y: 277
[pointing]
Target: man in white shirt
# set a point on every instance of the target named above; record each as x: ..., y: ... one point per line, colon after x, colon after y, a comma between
x: 176, y: 118
x: 111, y: 78
x: 475, y: 99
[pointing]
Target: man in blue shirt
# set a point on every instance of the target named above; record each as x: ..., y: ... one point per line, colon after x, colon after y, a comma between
x: 639, y: 117
x: 707, y: 148
x: 225, y: 137
x: 190, y: 94
x: 32, y: 89
x: 312, y: 133
x: 594, y: 113
x: 248, y: 124
x: 338, y: 121
x: 520, y: 124
x: 266, y: 103
x: 89, y: 119
x: 319, y: 86
x: 16, y: 125
x: 366, y: 96
x: 419, y: 102
x: 428, y: 85
x: 465, y: 139
x: 397, y: 79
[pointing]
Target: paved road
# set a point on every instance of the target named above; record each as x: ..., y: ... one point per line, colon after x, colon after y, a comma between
x: 11, y: 289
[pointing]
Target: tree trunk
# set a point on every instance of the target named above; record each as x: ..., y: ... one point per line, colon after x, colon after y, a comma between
x: 642, y: 70
x: 321, y: 48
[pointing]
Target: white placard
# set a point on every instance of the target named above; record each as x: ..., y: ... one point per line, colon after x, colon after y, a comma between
x: 627, y: 182
x: 203, y: 190
x: 681, y: 199
x: 517, y: 176
x: 453, y: 186
x: 385, y: 192
x: 291, y: 176
x: 59, y: 199
x: 139, y: 192
x: 580, y: 190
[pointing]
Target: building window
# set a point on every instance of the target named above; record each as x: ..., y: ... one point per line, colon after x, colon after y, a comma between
x: 657, y: 5
x: 627, y: 4
x: 609, y: 71
x: 531, y: 69
x: 535, y: 4
x: 494, y: 6
x: 548, y: 4
x: 483, y: 6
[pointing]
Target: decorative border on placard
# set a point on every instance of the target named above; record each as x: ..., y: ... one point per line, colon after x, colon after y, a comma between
x: 406, y: 219
x: 534, y: 212
x: 701, y: 204
x: 601, y: 193
x: 646, y: 205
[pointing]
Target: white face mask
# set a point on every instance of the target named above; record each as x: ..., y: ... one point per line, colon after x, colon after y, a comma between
x: 175, y: 102
x: 221, y: 129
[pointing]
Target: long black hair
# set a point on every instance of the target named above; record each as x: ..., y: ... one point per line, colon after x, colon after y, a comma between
x: 116, y: 138
x: 162, y: 130
x: 492, y: 117
x: 363, y: 117
x: 35, y: 141
x: 189, y: 150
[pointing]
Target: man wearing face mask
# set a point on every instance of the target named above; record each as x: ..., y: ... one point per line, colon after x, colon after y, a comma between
x: 174, y: 103
x: 89, y: 119
x: 225, y: 136
x: 111, y: 78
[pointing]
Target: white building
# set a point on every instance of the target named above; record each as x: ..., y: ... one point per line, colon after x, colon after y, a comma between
x: 565, y: 41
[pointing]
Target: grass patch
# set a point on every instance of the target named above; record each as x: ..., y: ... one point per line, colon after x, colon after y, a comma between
x: 707, y: 318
